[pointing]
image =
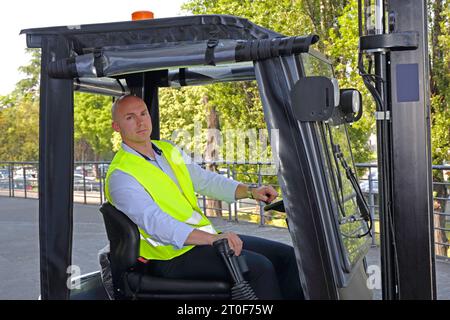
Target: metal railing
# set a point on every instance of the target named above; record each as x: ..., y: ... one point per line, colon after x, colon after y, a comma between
x: 441, y: 205
x: 19, y: 179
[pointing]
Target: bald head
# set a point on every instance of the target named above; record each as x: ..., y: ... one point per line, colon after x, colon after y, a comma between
x: 130, y: 117
x: 123, y: 100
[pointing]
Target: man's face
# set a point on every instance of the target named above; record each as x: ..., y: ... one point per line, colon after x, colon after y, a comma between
x: 132, y: 120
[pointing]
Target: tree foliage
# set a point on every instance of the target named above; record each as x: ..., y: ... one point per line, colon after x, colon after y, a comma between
x: 19, y: 120
x: 19, y: 115
x: 342, y: 48
x: 19, y: 140
x: 336, y: 24
x: 237, y: 104
x: 92, y: 126
x: 439, y: 29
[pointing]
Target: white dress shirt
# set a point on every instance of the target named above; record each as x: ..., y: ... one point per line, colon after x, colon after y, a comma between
x: 130, y: 197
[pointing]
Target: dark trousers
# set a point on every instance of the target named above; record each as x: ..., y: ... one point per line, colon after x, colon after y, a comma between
x: 273, y: 268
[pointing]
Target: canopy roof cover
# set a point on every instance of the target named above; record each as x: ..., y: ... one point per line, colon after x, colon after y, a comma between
x: 112, y: 49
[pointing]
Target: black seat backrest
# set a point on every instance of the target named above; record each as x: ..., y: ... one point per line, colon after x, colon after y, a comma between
x: 124, y: 239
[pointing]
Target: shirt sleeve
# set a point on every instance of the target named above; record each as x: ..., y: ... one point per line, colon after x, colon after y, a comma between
x: 130, y: 197
x: 212, y: 184
x: 209, y: 183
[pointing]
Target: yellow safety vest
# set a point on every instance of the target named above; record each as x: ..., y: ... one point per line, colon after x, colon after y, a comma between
x: 182, y: 206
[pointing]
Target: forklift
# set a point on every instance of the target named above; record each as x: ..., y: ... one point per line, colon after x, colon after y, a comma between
x: 329, y: 221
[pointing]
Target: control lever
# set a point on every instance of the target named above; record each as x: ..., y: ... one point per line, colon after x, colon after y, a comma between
x: 277, y: 206
x: 237, y: 266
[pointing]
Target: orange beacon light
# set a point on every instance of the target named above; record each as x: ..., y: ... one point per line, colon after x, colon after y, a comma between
x: 141, y: 15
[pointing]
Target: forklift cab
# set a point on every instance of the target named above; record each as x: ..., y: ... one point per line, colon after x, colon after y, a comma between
x: 328, y: 219
x: 301, y: 100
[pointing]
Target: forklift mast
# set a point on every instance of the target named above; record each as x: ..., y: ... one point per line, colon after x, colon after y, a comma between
x: 395, y: 38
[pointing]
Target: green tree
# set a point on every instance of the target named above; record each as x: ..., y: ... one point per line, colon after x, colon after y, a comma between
x: 439, y: 42
x: 287, y: 17
x: 28, y: 87
x: 334, y: 21
x: 92, y: 127
x: 180, y: 110
x: 439, y: 45
x: 19, y: 120
x: 19, y: 140
x: 19, y: 115
x: 342, y: 48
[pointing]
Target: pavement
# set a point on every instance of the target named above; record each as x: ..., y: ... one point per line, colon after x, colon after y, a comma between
x: 19, y: 246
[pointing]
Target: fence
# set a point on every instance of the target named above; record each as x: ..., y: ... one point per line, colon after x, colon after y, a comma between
x: 20, y: 179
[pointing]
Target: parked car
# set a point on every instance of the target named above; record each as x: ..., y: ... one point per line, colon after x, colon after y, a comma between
x: 4, y: 181
x: 4, y: 172
x: 20, y: 185
x: 88, y: 183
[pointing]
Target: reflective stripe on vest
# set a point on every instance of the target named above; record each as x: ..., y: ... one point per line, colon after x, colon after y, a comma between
x: 179, y: 204
x: 194, y: 219
x: 154, y: 243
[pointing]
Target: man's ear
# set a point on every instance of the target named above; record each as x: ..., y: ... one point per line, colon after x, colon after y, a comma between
x: 115, y: 126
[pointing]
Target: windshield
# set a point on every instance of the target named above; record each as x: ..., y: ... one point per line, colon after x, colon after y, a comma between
x: 342, y: 193
x: 316, y: 65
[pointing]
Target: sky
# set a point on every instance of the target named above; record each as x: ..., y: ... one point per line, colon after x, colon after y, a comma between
x: 16, y: 15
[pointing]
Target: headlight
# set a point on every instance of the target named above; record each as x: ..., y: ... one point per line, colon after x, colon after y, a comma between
x: 356, y: 101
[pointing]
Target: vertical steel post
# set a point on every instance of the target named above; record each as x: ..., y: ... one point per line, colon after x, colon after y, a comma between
x: 371, y: 203
x: 411, y: 154
x: 24, y: 180
x: 12, y: 179
x: 261, y: 209
x: 55, y: 173
x: 404, y: 157
x: 233, y: 174
x: 229, y: 204
x: 84, y: 182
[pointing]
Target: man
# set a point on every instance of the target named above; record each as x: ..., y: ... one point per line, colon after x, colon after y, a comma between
x: 153, y: 185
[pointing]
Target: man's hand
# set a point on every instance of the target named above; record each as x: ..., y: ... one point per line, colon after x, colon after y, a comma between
x: 199, y: 237
x: 264, y: 193
x: 234, y: 241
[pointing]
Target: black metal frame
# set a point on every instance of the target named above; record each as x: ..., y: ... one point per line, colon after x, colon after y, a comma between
x: 413, y: 213
x: 404, y: 157
x: 55, y: 174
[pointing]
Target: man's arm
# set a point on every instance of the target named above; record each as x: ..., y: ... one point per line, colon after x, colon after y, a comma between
x: 209, y: 183
x: 212, y: 184
x: 216, y: 186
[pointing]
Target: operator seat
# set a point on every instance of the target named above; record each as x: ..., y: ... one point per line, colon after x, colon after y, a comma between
x: 130, y: 282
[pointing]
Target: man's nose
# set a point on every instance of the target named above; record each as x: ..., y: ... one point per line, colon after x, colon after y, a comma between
x: 140, y: 120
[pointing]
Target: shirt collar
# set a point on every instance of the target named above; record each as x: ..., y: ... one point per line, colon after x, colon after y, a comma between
x: 137, y: 153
